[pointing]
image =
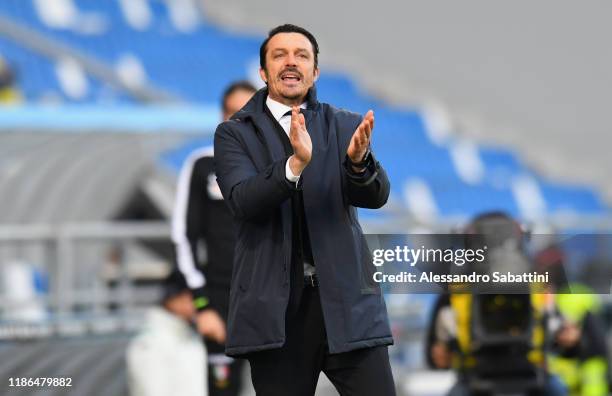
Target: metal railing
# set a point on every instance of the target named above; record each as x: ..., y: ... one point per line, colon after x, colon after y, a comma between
x: 96, y: 273
x: 104, y: 275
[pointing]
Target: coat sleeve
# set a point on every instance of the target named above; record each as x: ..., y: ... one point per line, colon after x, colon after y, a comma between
x: 369, y: 189
x: 248, y: 192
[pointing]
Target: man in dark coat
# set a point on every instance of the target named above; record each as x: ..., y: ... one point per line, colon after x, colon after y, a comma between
x: 292, y: 171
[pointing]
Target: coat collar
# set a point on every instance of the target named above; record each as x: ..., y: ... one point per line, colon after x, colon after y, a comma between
x: 255, y: 106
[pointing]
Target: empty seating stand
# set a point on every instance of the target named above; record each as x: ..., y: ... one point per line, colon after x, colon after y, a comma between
x: 179, y: 52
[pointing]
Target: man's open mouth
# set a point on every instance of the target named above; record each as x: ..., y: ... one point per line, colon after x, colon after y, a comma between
x: 291, y: 77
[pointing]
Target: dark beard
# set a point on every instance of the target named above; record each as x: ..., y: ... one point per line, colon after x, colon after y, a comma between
x: 292, y: 97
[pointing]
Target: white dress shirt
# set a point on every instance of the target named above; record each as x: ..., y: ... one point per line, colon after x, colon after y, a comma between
x: 279, y: 112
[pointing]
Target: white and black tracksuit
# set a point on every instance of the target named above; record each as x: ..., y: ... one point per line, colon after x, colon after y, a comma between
x: 204, y: 234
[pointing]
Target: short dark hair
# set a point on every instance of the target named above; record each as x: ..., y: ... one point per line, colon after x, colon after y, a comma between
x: 173, y: 285
x: 233, y: 87
x: 288, y: 28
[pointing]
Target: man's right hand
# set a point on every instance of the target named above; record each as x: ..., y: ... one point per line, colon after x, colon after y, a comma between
x: 210, y: 325
x: 300, y: 141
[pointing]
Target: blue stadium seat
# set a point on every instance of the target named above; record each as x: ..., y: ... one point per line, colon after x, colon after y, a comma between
x: 563, y: 198
x: 458, y: 199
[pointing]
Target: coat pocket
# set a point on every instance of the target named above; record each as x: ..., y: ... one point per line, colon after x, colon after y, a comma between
x: 366, y: 269
x: 243, y: 267
x: 245, y: 279
x: 368, y: 284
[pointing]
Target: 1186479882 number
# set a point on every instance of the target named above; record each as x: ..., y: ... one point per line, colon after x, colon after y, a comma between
x: 23, y: 382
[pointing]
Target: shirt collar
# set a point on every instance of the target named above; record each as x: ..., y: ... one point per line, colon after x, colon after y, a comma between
x: 278, y: 109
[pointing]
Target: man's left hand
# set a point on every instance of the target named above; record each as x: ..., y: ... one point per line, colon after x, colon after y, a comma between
x: 361, y: 138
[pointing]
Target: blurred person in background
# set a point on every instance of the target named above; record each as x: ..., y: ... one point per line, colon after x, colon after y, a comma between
x: 204, y: 234
x: 579, y: 355
x: 167, y: 357
x: 496, y: 343
x: 293, y: 170
x: 9, y: 94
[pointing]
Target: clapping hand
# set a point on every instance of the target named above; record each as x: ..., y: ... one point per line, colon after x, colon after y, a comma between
x: 360, y: 142
x: 300, y: 141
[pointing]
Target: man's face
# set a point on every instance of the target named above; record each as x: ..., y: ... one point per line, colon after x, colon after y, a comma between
x: 181, y: 305
x: 236, y: 101
x: 290, y: 69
